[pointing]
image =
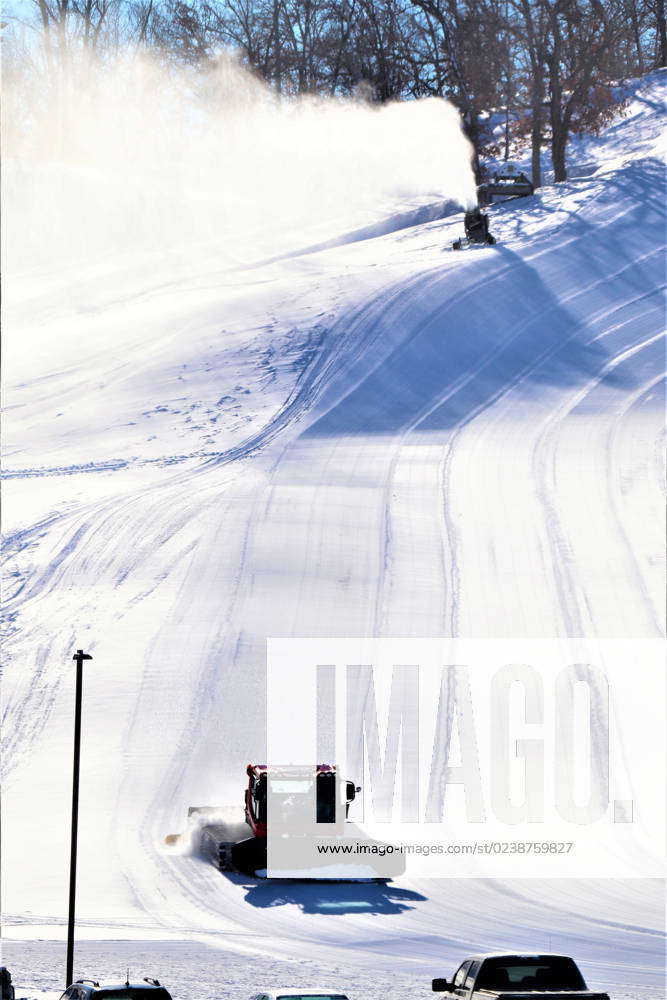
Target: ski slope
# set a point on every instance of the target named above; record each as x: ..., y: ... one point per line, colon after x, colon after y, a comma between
x: 378, y: 438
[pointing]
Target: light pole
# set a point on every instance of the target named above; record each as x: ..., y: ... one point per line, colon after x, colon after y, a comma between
x: 79, y: 656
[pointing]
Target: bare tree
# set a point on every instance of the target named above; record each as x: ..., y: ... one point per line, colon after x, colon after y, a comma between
x: 548, y: 61
x: 581, y: 33
x: 471, y: 43
x: 661, y: 31
x: 531, y: 23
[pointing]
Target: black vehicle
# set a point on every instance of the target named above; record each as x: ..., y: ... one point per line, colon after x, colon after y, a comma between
x: 6, y: 988
x: 476, y: 224
x: 518, y: 977
x: 90, y: 989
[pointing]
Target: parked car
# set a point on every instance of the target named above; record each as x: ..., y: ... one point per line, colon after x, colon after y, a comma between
x: 288, y: 993
x: 510, y: 977
x: 6, y: 988
x: 91, y: 989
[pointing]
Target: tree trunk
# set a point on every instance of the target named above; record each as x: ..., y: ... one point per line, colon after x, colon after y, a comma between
x: 661, y: 25
x: 537, y: 123
x: 507, y: 134
x: 558, y: 147
x: 277, y: 45
x: 559, y: 123
x: 637, y: 36
x: 536, y: 145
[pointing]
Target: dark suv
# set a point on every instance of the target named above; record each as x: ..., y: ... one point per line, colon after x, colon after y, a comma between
x: 90, y: 989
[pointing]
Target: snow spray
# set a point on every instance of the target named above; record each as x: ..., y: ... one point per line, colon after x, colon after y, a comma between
x: 129, y: 155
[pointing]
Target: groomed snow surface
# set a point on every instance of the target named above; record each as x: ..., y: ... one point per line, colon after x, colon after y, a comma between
x: 384, y: 437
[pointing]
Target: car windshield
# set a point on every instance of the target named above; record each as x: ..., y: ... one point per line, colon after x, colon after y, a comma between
x: 289, y: 786
x: 536, y: 973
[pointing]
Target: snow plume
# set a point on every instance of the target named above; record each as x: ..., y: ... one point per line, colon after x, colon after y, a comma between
x: 127, y: 155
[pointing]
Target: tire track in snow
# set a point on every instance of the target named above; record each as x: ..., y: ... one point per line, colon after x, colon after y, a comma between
x: 578, y: 614
x: 634, y: 400
x: 548, y: 355
x: 219, y: 670
x: 80, y: 531
x: 544, y: 357
x: 490, y: 360
x: 172, y: 887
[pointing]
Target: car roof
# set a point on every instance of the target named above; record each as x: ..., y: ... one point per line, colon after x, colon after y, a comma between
x: 300, y: 991
x: 514, y: 954
x: 291, y: 769
x: 104, y: 984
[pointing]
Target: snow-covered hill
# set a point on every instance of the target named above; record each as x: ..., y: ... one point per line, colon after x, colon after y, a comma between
x: 379, y: 438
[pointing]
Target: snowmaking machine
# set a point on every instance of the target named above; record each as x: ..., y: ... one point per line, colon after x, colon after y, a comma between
x: 477, y: 233
x: 223, y: 836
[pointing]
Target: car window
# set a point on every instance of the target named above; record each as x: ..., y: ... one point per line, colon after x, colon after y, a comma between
x: 472, y: 975
x: 460, y: 976
x: 551, y: 972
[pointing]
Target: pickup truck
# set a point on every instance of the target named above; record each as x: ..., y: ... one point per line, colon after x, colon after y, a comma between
x: 518, y: 977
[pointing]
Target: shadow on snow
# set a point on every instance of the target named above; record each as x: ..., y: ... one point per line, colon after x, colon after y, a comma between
x: 453, y: 342
x: 333, y: 898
